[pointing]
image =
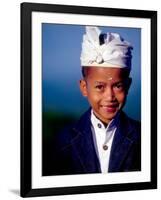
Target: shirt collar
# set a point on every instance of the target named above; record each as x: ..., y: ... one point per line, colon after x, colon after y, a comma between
x: 98, y: 124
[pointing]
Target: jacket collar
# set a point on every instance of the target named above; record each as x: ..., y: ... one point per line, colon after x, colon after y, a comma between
x: 122, y: 143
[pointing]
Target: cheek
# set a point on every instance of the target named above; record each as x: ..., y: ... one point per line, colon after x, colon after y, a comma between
x: 93, y: 98
x: 121, y: 97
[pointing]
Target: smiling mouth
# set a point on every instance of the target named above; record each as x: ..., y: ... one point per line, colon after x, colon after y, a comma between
x: 110, y: 108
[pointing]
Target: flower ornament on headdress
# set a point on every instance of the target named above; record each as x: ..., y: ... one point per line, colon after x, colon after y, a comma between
x: 106, y: 50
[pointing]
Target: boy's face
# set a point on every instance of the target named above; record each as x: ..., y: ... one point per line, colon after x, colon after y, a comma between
x: 106, y: 90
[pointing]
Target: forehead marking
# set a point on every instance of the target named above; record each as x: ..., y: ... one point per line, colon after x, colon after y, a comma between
x: 109, y: 78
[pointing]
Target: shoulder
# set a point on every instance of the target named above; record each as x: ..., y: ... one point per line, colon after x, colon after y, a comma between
x: 128, y: 121
x: 131, y: 126
x: 71, y: 131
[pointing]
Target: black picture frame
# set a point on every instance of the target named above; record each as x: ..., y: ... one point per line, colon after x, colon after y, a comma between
x: 26, y: 103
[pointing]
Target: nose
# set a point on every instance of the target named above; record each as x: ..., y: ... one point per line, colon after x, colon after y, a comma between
x: 109, y: 94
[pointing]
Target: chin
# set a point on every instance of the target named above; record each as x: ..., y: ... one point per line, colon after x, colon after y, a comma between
x: 109, y: 117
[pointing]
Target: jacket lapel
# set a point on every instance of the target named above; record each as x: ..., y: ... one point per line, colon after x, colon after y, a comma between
x: 121, y: 144
x: 83, y: 145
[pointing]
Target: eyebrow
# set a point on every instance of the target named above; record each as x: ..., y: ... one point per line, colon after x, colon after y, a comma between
x: 100, y: 82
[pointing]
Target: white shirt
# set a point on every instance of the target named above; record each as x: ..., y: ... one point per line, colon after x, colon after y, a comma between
x: 103, y: 137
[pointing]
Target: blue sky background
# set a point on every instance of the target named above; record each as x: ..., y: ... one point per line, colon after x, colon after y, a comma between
x: 61, y: 71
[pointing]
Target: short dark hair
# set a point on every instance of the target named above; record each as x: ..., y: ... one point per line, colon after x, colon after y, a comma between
x: 85, y: 71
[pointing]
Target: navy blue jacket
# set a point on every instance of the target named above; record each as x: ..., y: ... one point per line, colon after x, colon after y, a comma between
x: 74, y: 151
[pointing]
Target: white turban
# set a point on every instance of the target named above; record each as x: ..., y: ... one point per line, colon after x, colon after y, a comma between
x: 105, y: 50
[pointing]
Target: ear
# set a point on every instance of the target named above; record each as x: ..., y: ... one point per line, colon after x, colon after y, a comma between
x: 83, y: 87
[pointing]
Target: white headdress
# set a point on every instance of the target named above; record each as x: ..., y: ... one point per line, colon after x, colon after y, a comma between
x: 105, y: 50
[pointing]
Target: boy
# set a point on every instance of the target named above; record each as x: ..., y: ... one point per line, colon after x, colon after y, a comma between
x: 104, y: 139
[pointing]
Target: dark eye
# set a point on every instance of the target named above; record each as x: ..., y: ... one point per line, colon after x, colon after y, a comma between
x: 119, y: 86
x: 99, y: 87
